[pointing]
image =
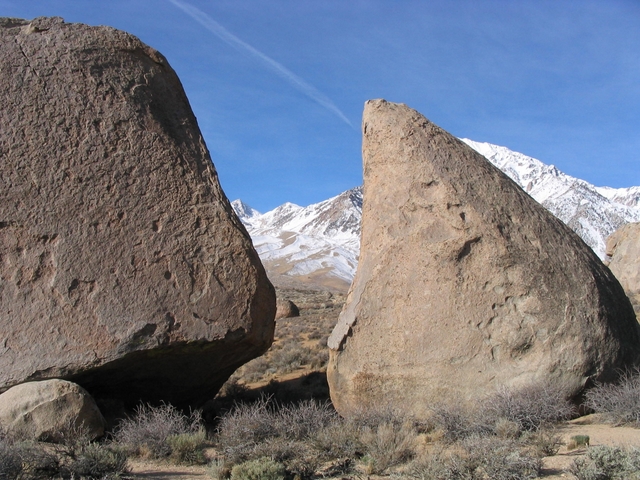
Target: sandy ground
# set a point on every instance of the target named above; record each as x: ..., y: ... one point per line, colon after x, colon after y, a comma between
x: 599, y: 434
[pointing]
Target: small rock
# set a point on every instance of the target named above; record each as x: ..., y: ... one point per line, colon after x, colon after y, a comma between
x: 286, y: 309
x: 48, y: 410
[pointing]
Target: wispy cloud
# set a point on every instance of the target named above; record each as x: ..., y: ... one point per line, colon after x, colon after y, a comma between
x: 294, y: 80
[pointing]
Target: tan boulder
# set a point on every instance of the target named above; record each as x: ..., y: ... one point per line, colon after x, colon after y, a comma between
x: 48, y: 410
x: 623, y: 252
x: 464, y: 282
x: 286, y: 309
x: 122, y: 265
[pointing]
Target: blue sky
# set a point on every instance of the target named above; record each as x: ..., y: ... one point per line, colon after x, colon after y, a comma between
x: 278, y: 86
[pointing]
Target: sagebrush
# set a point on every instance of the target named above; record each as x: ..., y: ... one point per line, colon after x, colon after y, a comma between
x: 619, y: 402
x: 155, y: 432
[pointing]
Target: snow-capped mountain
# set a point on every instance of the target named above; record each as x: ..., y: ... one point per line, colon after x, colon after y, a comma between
x: 320, y: 243
x: 592, y: 212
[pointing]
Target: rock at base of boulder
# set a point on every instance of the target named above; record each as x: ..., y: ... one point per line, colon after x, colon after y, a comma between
x: 465, y: 283
x: 48, y: 410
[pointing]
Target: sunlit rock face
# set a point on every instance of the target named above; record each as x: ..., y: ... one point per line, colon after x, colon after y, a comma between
x: 623, y: 252
x: 464, y: 282
x: 122, y: 264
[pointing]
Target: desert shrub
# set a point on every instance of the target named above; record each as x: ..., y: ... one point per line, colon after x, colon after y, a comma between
x: 255, y: 370
x: 298, y: 457
x: 314, y: 334
x: 507, y: 429
x: 146, y: 433
x: 531, y: 406
x: 620, y: 403
x: 99, y: 461
x: 578, y: 441
x: 338, y: 440
x: 245, y: 428
x: 478, y: 458
x: 259, y: 469
x: 456, y: 422
x: 290, y: 357
x: 543, y: 443
x: 304, y: 419
x: 607, y: 463
x: 241, y: 429
x: 218, y: 469
x: 26, y: 459
x: 387, y: 445
x: 188, y: 448
x: 310, y: 435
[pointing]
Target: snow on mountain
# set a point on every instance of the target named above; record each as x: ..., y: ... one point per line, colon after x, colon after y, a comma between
x: 592, y: 212
x: 320, y: 243
x: 246, y: 214
x: 626, y: 196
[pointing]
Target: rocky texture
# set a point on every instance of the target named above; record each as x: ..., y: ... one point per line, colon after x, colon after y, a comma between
x: 623, y: 252
x: 286, y: 309
x: 122, y: 264
x: 464, y: 282
x: 48, y: 409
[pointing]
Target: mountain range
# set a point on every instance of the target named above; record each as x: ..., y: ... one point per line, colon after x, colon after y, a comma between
x: 319, y: 244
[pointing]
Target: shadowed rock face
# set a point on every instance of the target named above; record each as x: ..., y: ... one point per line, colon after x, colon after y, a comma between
x: 122, y: 265
x: 464, y: 282
x: 623, y: 249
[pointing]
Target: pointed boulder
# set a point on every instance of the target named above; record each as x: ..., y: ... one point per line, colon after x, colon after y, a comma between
x: 464, y: 282
x: 623, y: 251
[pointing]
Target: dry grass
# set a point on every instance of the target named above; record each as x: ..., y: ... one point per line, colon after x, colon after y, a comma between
x: 300, y: 345
x: 162, y: 432
x: 619, y: 402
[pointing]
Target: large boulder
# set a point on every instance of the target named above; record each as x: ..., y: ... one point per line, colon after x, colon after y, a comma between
x: 464, y: 282
x: 623, y: 253
x: 49, y: 410
x: 122, y: 265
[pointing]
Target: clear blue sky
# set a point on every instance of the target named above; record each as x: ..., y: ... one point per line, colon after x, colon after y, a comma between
x: 274, y: 84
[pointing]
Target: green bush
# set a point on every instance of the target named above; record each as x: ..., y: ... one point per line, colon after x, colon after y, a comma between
x: 620, y: 403
x: 188, y: 448
x: 259, y: 469
x: 99, y: 461
x: 607, y: 463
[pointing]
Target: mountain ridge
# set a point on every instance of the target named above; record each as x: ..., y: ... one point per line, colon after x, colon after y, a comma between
x: 319, y: 244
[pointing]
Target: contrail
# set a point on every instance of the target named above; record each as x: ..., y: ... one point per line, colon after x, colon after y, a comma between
x: 229, y: 38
